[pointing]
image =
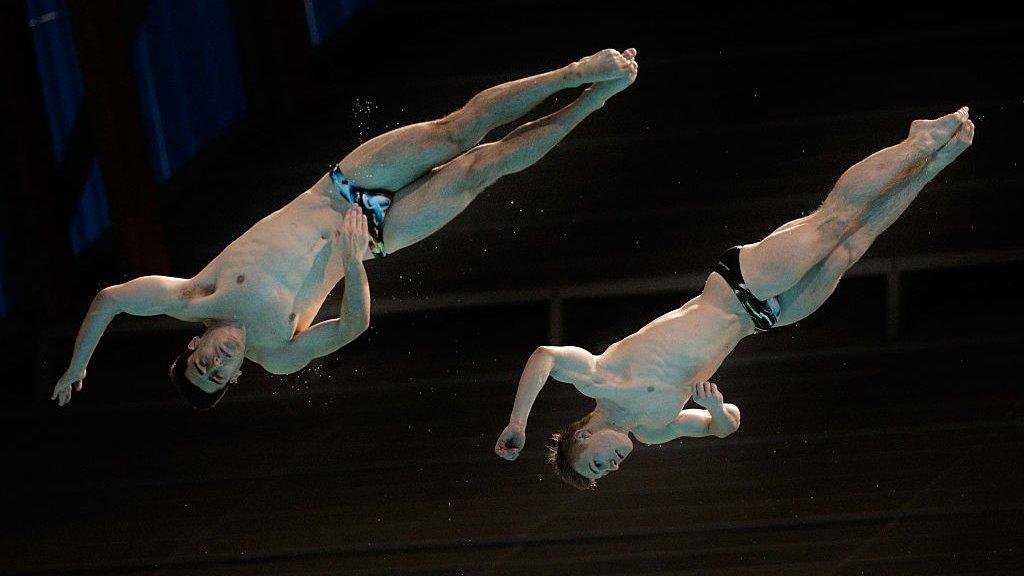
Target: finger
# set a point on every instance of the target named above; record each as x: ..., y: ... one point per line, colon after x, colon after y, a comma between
x: 78, y: 385
x: 714, y: 387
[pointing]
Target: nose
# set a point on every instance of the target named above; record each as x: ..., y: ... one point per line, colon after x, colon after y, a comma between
x: 217, y: 361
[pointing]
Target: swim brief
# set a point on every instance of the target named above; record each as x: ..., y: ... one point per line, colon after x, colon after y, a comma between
x: 764, y: 313
x: 374, y: 204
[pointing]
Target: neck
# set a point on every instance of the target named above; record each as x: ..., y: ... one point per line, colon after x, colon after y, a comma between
x: 611, y: 415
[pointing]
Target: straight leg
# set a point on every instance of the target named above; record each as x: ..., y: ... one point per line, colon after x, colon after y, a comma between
x: 396, y: 158
x: 429, y: 203
x: 775, y: 264
x: 818, y: 284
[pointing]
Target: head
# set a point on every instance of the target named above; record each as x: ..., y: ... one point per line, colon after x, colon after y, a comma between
x: 209, y: 364
x: 585, y: 452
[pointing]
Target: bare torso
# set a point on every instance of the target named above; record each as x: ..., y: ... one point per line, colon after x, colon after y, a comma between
x: 274, y: 278
x: 657, y: 366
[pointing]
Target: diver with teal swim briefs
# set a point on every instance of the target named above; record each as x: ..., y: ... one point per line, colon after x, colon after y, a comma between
x: 258, y: 298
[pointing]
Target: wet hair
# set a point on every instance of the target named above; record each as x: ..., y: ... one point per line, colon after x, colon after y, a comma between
x: 562, y: 453
x: 196, y: 396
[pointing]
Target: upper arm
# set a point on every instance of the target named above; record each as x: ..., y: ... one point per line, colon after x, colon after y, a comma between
x: 318, y: 340
x: 149, y: 295
x: 689, y: 423
x: 571, y: 365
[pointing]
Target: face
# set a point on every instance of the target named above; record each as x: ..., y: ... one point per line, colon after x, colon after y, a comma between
x: 600, y: 451
x: 216, y: 358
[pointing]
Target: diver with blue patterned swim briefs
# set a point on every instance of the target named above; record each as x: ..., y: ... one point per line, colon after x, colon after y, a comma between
x: 258, y: 298
x: 641, y: 383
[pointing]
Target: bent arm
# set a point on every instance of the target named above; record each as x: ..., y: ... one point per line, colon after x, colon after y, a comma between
x: 567, y: 364
x: 144, y: 296
x: 694, y: 423
x: 327, y: 337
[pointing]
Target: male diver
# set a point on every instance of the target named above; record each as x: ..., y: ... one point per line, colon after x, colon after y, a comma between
x: 258, y: 297
x: 641, y: 383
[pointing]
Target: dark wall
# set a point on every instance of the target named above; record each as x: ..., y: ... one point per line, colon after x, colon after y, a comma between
x: 872, y: 441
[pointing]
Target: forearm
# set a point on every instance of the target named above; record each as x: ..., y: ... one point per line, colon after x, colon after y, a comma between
x: 355, y: 302
x: 101, y: 312
x: 536, y: 373
x: 724, y: 420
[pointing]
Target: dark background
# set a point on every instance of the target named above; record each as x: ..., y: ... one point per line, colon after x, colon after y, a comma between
x: 880, y: 436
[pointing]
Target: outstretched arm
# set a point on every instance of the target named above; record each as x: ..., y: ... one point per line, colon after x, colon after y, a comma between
x: 145, y: 296
x: 567, y: 364
x: 326, y: 337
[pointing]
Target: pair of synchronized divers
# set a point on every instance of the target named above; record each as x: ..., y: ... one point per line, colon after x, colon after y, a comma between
x: 258, y: 298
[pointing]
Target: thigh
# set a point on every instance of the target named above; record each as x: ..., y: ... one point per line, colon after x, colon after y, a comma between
x: 775, y: 264
x: 813, y: 289
x: 397, y: 158
x: 427, y: 204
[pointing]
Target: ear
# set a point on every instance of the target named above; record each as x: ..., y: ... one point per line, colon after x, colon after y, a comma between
x: 193, y: 343
x: 582, y: 434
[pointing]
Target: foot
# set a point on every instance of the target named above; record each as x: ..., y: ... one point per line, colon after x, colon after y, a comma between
x: 930, y: 135
x: 955, y: 146
x: 608, y: 88
x: 606, y: 65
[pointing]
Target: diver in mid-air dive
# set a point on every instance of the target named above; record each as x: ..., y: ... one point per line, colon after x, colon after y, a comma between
x: 641, y: 383
x: 258, y: 297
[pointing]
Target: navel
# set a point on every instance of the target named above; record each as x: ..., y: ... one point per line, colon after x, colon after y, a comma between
x: 240, y: 279
x: 650, y: 388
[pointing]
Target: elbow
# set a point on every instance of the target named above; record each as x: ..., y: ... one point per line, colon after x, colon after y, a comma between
x: 106, y: 299
x: 359, y: 324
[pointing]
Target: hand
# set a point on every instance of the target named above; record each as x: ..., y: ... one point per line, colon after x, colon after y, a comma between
x: 511, y: 441
x: 71, y: 380
x: 355, y: 235
x: 706, y: 395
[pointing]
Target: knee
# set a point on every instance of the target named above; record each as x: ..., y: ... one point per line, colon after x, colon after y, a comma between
x: 834, y: 225
x: 854, y: 249
x: 459, y: 129
x: 484, y: 165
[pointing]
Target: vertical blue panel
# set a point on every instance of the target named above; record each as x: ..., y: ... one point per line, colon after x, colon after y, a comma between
x: 58, y: 67
x: 91, y: 219
x: 61, y: 83
x: 325, y: 16
x: 189, y: 78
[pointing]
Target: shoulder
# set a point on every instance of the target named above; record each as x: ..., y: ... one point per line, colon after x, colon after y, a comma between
x: 279, y: 361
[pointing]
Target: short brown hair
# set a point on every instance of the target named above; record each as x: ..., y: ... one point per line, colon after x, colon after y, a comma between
x: 196, y: 396
x: 561, y: 455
